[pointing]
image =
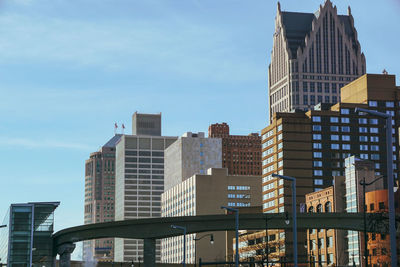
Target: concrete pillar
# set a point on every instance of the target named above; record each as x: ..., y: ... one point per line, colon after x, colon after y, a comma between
x: 65, y: 251
x: 149, y: 252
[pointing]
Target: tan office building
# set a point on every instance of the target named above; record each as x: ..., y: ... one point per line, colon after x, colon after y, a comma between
x: 312, y: 145
x: 203, y: 195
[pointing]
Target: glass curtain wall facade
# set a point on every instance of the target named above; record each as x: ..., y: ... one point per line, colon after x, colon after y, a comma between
x: 4, y: 231
x: 352, y: 206
x: 28, y: 241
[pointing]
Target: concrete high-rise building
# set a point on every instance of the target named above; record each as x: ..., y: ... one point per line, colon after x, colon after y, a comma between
x: 204, y: 194
x: 99, y: 198
x: 139, y: 180
x: 327, y: 247
x: 313, y: 56
x: 312, y: 145
x: 191, y: 154
x: 241, y: 154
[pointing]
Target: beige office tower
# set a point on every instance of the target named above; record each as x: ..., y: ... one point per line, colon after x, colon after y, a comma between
x: 139, y: 180
x: 204, y: 194
x: 313, y: 56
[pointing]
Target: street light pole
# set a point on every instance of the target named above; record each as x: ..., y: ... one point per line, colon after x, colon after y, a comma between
x: 266, y: 241
x: 293, y: 180
x: 390, y: 182
x: 365, y: 225
x: 237, y: 233
x: 184, y: 241
x: 195, y: 248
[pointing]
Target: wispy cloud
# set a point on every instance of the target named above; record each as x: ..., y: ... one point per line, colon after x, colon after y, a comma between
x: 169, y: 45
x: 40, y: 144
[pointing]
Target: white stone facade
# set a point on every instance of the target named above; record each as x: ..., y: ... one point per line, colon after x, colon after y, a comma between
x: 191, y: 154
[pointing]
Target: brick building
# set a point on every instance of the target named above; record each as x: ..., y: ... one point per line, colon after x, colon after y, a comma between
x: 327, y: 246
x: 241, y: 154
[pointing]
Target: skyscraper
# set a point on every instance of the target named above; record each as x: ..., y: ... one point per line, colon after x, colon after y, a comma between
x: 139, y: 179
x: 99, y: 198
x: 313, y: 56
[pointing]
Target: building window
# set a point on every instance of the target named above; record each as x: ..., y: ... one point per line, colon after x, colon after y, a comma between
x: 373, y: 130
x: 328, y: 206
x: 346, y: 129
x: 335, y: 146
x: 374, y: 148
x: 372, y: 103
x: 363, y: 147
x: 344, y: 111
x: 317, y: 172
x: 375, y: 139
x: 305, y: 99
x: 389, y: 104
x: 363, y: 130
x: 317, y: 128
x: 318, y: 181
x: 334, y: 128
x: 317, y: 145
x: 345, y: 146
x: 334, y: 137
x: 375, y: 156
x: 316, y: 119
x: 316, y: 137
x: 374, y: 121
x: 334, y: 119
x: 317, y: 163
x: 345, y: 137
x: 317, y: 154
x: 345, y: 120
x: 362, y: 121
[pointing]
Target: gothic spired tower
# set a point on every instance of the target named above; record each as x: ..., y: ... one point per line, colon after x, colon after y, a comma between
x: 313, y: 56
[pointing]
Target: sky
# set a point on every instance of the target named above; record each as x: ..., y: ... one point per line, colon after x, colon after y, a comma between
x: 69, y: 69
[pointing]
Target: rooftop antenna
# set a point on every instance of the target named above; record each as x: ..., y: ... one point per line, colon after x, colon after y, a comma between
x: 123, y: 128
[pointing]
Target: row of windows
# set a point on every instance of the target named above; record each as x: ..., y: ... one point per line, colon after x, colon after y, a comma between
x: 388, y: 104
x: 238, y: 187
x: 314, y: 101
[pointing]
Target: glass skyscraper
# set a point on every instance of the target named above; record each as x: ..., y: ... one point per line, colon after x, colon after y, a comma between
x: 26, y: 241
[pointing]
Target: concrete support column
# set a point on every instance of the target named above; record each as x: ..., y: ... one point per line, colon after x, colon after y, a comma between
x: 65, y: 251
x: 149, y: 252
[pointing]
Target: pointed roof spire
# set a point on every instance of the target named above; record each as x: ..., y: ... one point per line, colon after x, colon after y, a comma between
x: 279, y: 7
x: 349, y: 11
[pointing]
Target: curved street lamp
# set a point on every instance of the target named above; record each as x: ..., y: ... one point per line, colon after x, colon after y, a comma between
x: 197, y: 239
x: 293, y: 180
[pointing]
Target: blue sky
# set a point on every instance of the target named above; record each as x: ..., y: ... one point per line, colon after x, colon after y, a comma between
x: 69, y: 69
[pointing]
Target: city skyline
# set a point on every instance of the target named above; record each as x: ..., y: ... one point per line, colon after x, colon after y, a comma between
x: 197, y: 56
